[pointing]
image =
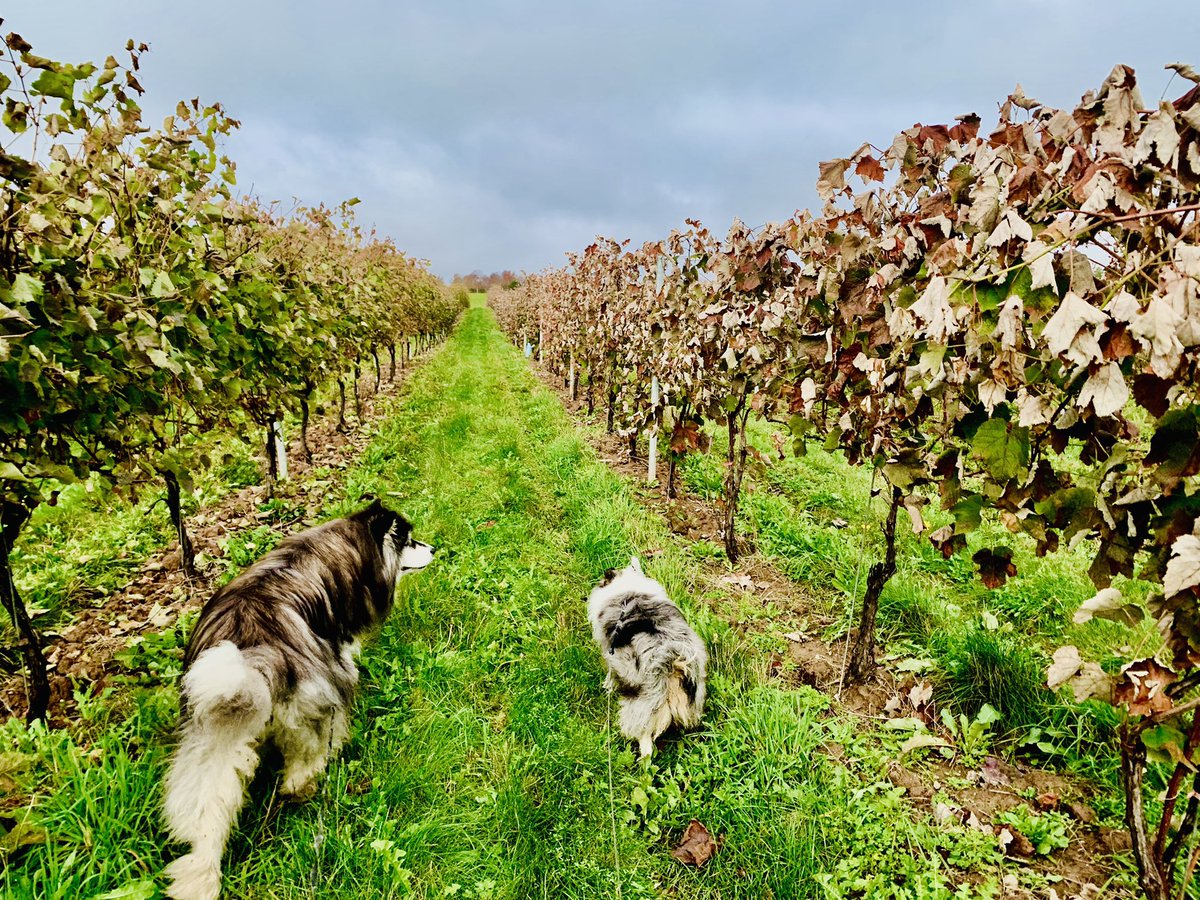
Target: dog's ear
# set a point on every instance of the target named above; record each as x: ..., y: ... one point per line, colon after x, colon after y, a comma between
x: 378, y: 519
x: 635, y: 564
x: 609, y: 576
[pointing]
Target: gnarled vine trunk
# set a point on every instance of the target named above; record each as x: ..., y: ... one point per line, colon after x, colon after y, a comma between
x: 13, y: 517
x: 304, y: 417
x: 1157, y: 857
x: 357, y: 393
x: 735, y: 470
x: 187, y: 553
x: 272, y: 458
x: 862, y: 654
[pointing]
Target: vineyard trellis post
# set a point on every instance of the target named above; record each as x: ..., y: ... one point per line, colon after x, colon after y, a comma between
x: 652, y: 450
x: 281, y: 460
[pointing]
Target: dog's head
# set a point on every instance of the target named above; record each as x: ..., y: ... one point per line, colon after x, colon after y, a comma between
x: 393, y: 533
x: 630, y: 579
x: 611, y: 575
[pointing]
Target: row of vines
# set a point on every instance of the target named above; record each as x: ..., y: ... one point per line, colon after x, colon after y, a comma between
x: 1005, y: 323
x: 143, y: 304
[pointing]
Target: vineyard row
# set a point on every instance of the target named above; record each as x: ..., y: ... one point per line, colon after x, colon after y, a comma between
x: 1004, y: 323
x: 143, y: 304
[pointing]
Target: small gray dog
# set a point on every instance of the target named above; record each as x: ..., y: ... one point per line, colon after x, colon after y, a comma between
x: 655, y: 661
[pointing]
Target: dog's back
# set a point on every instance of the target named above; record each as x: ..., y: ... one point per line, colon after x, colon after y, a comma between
x: 302, y: 603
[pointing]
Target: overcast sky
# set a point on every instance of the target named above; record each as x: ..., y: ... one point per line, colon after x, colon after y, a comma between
x: 501, y: 135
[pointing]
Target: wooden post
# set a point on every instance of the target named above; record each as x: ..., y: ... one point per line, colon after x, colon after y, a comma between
x: 280, y: 449
x: 571, y: 377
x: 652, y: 451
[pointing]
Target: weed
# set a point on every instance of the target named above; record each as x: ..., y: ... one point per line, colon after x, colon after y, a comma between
x: 157, y: 656
x: 239, y: 468
x: 1047, y: 831
x: 247, y: 546
x: 988, y: 666
x: 972, y: 736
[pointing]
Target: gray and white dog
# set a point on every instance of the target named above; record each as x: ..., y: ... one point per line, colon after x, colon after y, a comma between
x: 272, y: 658
x: 655, y: 661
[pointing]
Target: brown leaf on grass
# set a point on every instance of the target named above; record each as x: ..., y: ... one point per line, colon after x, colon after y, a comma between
x: 1142, y: 686
x: 992, y: 773
x: 697, y: 846
x: 1016, y: 844
x: 1047, y: 801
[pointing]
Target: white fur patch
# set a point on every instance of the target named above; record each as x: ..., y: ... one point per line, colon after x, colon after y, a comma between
x: 219, y: 678
x: 416, y: 556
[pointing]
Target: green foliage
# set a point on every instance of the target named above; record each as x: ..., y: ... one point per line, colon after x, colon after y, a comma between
x: 142, y: 303
x: 989, y: 667
x: 972, y: 736
x: 157, y: 656
x: 247, y: 546
x: 1047, y: 831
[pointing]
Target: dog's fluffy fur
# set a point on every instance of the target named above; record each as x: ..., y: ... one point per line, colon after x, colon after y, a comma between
x: 272, y: 657
x: 655, y: 661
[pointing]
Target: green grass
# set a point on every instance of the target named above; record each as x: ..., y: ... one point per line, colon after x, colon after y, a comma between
x: 483, y: 762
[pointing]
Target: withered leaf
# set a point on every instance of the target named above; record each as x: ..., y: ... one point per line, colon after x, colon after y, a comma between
x: 697, y: 846
x: 1183, y: 571
x: 1015, y: 843
x: 995, y: 565
x: 869, y: 169
x: 947, y: 541
x: 1142, y: 687
x: 833, y: 177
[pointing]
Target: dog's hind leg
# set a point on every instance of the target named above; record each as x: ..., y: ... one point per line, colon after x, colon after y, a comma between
x: 643, y: 720
x: 306, y: 751
x: 312, y: 727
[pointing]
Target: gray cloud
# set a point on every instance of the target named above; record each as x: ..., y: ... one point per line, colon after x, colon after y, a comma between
x: 501, y: 135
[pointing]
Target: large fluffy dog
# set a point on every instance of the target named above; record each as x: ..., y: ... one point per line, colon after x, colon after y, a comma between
x: 655, y: 661
x: 272, y: 657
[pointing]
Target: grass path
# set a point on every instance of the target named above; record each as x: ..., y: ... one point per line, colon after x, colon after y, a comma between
x: 482, y: 762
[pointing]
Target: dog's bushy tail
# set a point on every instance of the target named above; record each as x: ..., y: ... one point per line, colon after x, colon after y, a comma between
x: 228, y: 701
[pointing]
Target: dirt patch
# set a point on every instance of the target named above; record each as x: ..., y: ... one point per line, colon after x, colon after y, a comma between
x: 80, y: 654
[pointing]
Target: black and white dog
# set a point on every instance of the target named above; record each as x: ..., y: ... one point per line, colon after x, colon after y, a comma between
x: 272, y: 658
x: 655, y: 661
